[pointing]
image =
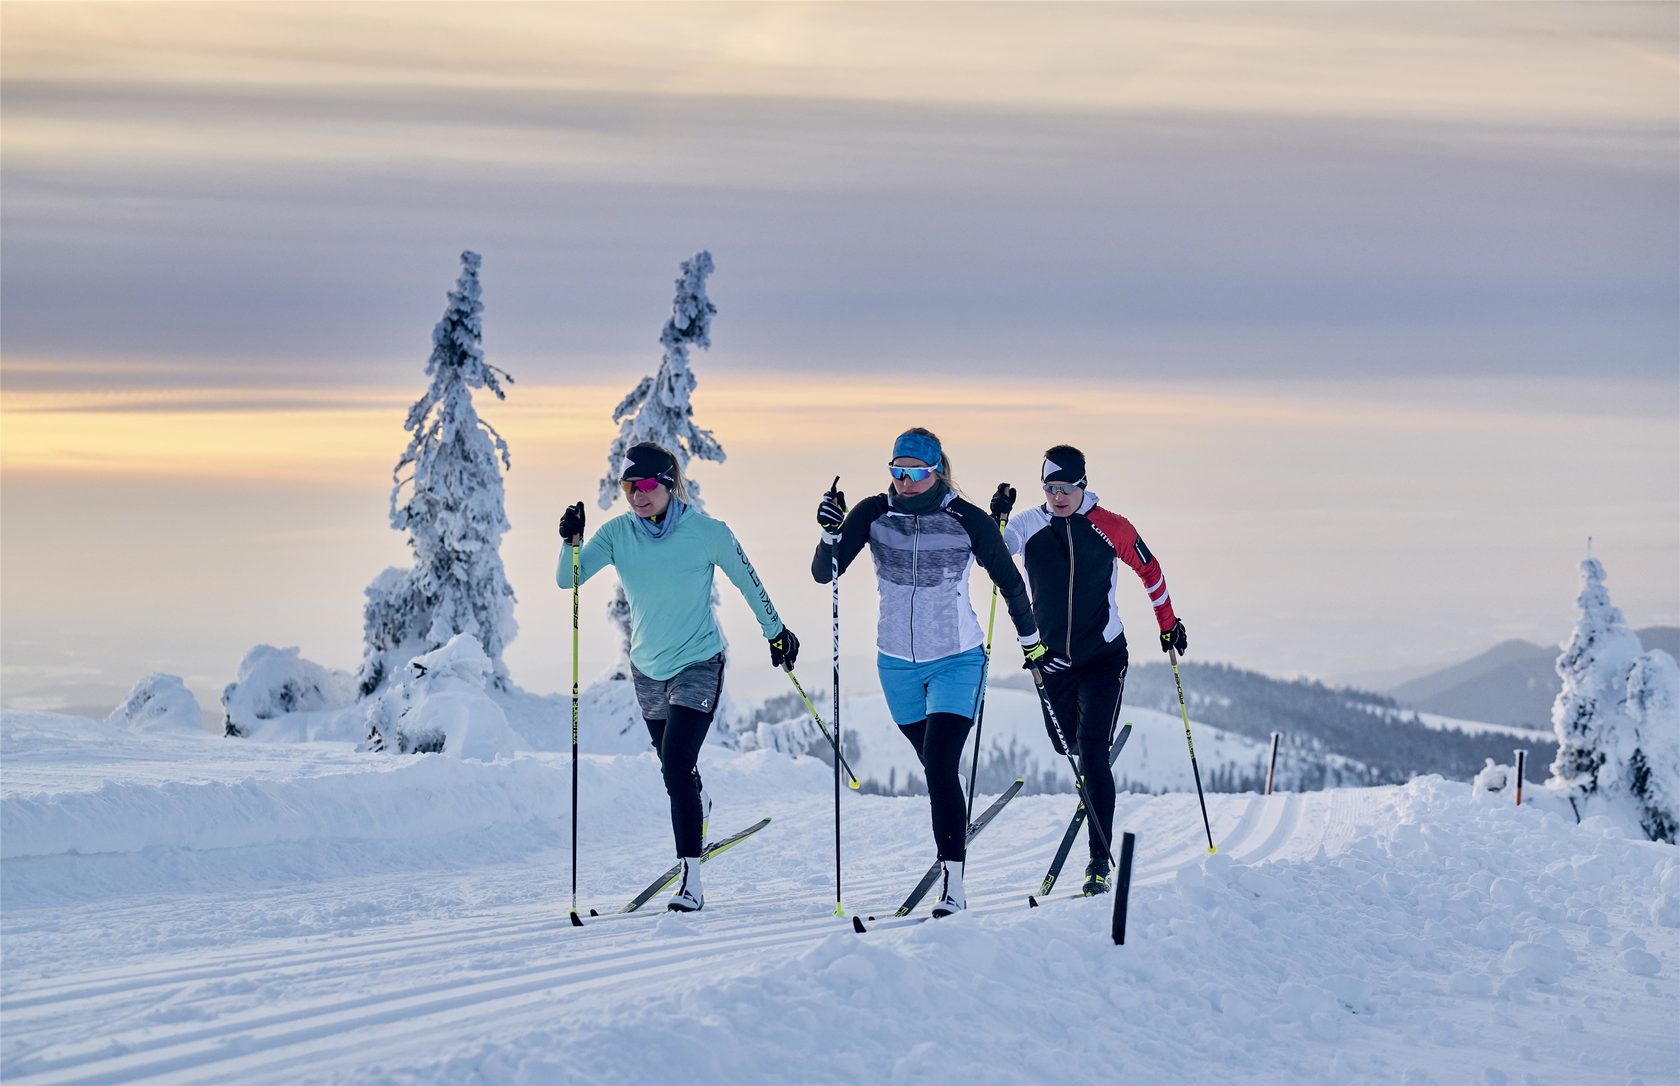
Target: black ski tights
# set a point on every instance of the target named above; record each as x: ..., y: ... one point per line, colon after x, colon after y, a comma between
x: 939, y: 744
x: 1086, y: 698
x: 677, y: 739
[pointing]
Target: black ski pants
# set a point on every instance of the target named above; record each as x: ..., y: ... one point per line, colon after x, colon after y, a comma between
x: 939, y: 744
x: 1086, y: 698
x: 677, y: 740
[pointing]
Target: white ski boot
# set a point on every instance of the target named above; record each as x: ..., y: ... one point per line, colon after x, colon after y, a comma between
x: 689, y: 897
x: 951, y: 898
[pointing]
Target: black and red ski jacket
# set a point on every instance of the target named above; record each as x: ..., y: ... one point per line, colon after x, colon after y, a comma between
x: 1073, y: 568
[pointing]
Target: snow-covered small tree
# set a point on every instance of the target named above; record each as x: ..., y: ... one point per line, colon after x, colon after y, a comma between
x: 658, y: 410
x: 1653, y: 707
x: 439, y: 704
x: 273, y: 683
x: 159, y: 703
x: 1592, y: 731
x: 447, y: 495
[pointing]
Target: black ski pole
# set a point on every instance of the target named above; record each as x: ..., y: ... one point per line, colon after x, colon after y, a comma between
x: 1172, y: 654
x: 577, y: 545
x: 834, y: 581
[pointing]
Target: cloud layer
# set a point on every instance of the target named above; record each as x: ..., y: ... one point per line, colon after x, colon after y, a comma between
x: 276, y: 194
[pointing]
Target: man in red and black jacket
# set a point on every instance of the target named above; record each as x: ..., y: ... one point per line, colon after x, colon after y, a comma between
x: 1073, y: 550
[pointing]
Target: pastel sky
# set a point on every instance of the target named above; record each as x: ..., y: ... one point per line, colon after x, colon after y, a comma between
x: 1367, y: 314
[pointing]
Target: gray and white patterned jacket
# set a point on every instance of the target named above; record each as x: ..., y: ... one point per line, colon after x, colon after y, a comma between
x: 922, y: 562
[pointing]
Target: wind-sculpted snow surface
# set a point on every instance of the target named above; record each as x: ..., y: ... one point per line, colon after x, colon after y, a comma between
x: 281, y: 913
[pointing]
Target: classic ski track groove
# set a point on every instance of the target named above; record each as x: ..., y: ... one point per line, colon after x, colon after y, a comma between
x: 486, y: 929
x: 400, y: 991
x: 311, y: 1020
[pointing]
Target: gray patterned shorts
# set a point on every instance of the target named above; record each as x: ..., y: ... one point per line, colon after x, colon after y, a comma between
x: 697, y: 686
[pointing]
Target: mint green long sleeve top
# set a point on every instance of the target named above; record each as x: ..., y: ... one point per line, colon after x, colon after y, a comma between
x: 669, y: 585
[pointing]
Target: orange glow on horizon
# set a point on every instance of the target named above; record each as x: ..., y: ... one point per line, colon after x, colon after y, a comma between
x: 329, y: 437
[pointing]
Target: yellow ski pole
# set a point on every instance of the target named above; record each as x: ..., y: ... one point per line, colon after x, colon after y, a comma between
x: 577, y: 545
x: 852, y: 781
x: 1172, y: 655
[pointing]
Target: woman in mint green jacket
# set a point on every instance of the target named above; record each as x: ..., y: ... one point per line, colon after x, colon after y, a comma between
x: 665, y: 553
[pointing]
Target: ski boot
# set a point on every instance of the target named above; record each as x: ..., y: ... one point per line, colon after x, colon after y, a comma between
x: 1096, y: 877
x: 689, y: 898
x: 951, y: 897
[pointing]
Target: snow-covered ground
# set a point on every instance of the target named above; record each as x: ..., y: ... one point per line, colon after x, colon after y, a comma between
x: 193, y: 909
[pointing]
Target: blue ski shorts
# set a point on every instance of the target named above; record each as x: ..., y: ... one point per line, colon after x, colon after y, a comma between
x: 949, y: 684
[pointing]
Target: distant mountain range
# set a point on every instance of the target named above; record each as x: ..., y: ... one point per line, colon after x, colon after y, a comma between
x: 1515, y: 682
x: 1332, y: 737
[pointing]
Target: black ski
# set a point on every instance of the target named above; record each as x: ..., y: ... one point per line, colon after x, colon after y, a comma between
x: 902, y: 917
x: 932, y: 875
x: 1078, y: 821
x: 676, y: 869
x: 1122, y: 888
x: 891, y: 922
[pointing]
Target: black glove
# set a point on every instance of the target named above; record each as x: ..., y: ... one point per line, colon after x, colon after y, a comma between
x: 1040, y: 657
x: 1003, y: 502
x: 571, y: 524
x: 831, y: 511
x: 784, y: 649
x: 1174, y: 639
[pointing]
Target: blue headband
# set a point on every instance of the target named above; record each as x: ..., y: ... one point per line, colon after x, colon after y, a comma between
x: 919, y: 446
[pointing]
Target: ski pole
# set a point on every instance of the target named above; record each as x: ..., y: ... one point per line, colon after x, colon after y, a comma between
x: 577, y: 545
x: 834, y: 582
x: 1172, y: 654
x: 980, y: 705
x: 980, y: 695
x: 832, y: 737
x: 1078, y: 777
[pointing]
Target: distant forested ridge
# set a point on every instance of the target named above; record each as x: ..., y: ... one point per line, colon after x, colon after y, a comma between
x: 1332, y: 737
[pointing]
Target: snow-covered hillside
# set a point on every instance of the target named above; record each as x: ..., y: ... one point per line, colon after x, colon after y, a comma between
x: 1156, y: 755
x: 194, y: 909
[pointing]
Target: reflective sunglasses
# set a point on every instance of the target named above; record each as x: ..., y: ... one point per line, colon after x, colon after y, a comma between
x: 914, y: 475
x: 644, y: 485
x: 1061, y: 488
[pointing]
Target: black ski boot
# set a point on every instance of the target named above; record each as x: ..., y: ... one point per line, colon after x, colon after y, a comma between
x: 1096, y: 877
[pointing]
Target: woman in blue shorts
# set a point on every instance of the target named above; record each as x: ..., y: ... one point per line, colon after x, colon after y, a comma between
x: 925, y: 538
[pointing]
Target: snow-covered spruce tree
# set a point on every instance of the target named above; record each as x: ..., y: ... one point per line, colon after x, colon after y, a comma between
x: 447, y: 495
x: 1653, y: 707
x: 658, y: 409
x: 1594, y: 735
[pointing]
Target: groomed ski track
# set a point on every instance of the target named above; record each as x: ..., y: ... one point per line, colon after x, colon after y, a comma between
x: 345, y: 1006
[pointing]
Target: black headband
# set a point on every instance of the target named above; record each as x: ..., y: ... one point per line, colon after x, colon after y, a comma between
x: 1067, y: 467
x: 649, y: 462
